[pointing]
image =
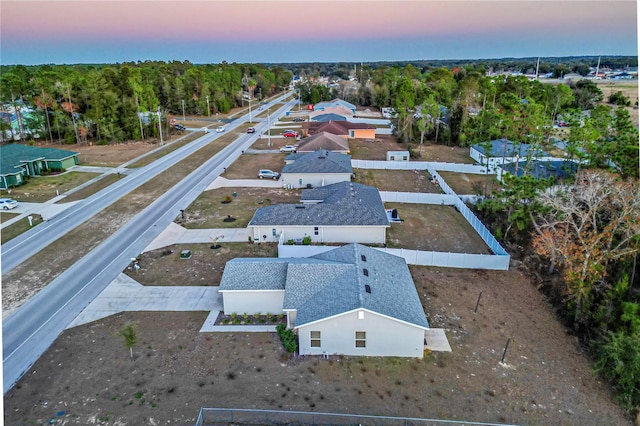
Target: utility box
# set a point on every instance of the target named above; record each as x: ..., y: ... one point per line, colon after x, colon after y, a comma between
x: 397, y: 155
x: 185, y: 254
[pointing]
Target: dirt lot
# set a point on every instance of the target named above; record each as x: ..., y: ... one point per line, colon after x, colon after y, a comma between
x: 443, y: 153
x: 248, y: 165
x: 164, y: 266
x: 107, y: 155
x: 86, y: 377
x: 466, y: 183
x: 364, y: 149
x: 209, y: 211
x: 397, y: 180
x: 433, y: 228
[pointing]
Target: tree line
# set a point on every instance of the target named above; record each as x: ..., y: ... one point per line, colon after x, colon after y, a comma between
x: 120, y: 102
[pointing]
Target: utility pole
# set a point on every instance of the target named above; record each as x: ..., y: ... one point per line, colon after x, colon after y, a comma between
x: 208, y: 108
x: 183, y: 117
x: 268, y: 128
x: 160, y: 126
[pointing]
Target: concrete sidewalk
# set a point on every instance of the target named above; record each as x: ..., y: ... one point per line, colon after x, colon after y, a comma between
x: 176, y: 234
x: 221, y: 182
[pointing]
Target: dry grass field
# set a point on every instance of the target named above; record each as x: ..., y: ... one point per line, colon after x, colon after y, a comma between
x: 209, y: 210
x: 248, y: 165
x: 43, y: 188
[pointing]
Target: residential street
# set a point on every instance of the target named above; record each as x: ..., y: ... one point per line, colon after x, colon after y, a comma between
x: 29, y: 331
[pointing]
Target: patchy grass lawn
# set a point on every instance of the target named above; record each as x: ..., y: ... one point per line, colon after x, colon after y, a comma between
x: 91, y: 189
x: 432, y: 227
x: 276, y: 143
x: 467, y: 183
x: 166, y: 150
x: 443, y: 153
x: 366, y: 149
x: 208, y: 210
x: 5, y: 216
x: 163, y: 267
x: 17, y: 228
x: 43, y: 188
x: 107, y: 155
x: 397, y: 180
x: 248, y: 165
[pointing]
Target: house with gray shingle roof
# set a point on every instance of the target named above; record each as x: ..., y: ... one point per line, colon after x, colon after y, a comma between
x: 342, y: 212
x: 352, y: 300
x: 321, y: 106
x: 18, y: 162
x: 324, y: 140
x: 318, y: 168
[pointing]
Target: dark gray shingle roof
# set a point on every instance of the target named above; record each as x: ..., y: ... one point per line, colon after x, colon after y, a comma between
x: 341, y: 204
x: 333, y: 283
x: 321, y: 161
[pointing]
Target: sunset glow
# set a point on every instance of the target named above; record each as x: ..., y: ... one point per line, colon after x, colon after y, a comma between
x: 297, y: 31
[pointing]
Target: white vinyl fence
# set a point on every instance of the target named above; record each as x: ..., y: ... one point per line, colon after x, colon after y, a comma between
x: 419, y: 165
x: 498, y: 261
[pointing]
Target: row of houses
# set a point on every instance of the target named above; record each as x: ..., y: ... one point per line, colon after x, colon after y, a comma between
x: 351, y: 300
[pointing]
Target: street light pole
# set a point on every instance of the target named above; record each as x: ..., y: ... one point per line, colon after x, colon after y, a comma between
x: 160, y: 126
x: 183, y: 117
x: 208, y: 108
x: 268, y: 128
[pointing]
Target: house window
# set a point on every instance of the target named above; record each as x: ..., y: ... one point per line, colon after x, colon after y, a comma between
x: 361, y: 339
x: 315, y: 339
x: 315, y: 230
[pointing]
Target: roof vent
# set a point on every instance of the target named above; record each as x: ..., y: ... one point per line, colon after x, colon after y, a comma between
x: 367, y: 288
x: 365, y: 271
x: 299, y: 207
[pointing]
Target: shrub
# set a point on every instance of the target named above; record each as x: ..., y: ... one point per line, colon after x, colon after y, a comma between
x: 288, y: 338
x: 619, y: 98
x: 306, y: 241
x: 227, y: 198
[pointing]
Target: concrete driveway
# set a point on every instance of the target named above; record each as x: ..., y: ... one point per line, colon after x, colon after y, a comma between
x: 125, y: 294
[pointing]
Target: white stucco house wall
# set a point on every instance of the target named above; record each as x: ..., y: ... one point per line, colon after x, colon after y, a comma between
x: 318, y: 168
x: 352, y: 300
x: 343, y: 212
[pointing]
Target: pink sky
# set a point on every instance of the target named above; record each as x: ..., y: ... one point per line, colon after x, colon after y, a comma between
x: 298, y: 31
x: 250, y: 20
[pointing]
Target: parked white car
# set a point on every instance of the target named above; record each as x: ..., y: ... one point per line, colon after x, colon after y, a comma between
x: 8, y: 204
x: 288, y: 148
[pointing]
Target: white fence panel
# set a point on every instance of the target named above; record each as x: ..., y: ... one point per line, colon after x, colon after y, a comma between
x: 418, y: 165
x: 301, y: 251
x: 417, y: 198
x: 374, y: 121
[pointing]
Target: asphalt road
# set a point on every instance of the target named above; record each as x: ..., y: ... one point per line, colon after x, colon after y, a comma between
x: 31, y: 329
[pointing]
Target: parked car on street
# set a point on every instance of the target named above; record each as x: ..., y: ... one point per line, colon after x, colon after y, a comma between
x: 290, y: 134
x: 251, y: 130
x: 269, y: 174
x: 180, y: 127
x: 288, y: 148
x: 298, y: 120
x: 220, y: 129
x: 8, y: 203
